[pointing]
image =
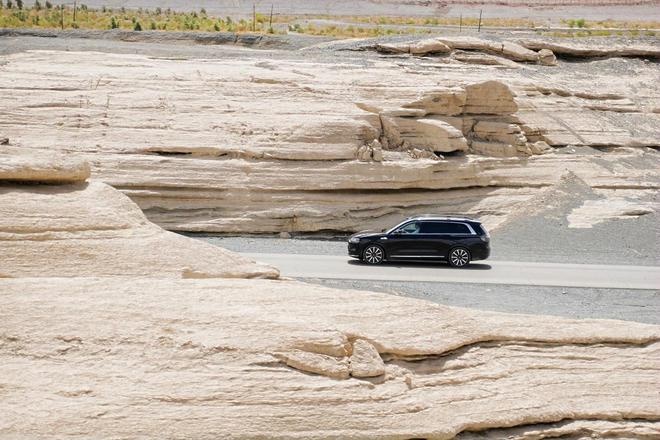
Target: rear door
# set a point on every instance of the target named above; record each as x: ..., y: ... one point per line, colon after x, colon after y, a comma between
x: 438, y: 238
x: 448, y: 234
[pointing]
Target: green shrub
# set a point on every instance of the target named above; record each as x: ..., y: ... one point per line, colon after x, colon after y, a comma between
x: 113, y: 23
x: 137, y: 26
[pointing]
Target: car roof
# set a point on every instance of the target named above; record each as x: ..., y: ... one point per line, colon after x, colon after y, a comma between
x: 443, y: 217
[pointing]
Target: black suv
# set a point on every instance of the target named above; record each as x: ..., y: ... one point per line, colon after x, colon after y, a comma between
x: 457, y: 240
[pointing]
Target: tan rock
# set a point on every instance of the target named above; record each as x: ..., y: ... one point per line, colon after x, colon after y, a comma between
x: 540, y: 147
x: 428, y: 47
x: 145, y: 352
x: 101, y: 232
x: 594, y: 51
x: 427, y: 134
x: 365, y: 361
x: 243, y: 159
x: 22, y: 165
x: 495, y: 149
x: 393, y: 48
x: 547, y: 57
x: 87, y: 353
x: 336, y: 368
x: 449, y: 102
x: 489, y: 98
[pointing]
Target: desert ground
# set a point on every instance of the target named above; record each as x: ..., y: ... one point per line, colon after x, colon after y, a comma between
x: 144, y: 175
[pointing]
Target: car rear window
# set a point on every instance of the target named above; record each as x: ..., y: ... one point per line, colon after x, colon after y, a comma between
x: 444, y: 228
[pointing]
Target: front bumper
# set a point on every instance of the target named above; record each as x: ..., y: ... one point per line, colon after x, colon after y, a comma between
x: 354, y: 250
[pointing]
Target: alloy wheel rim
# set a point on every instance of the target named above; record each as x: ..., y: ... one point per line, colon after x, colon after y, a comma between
x: 459, y: 257
x: 373, y: 255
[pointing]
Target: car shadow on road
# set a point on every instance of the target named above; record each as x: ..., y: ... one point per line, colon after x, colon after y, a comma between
x: 435, y: 265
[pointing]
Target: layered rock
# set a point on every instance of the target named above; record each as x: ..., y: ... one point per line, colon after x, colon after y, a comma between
x: 444, y: 45
x: 128, y: 345
x: 248, y: 144
x: 202, y: 358
x: 90, y: 229
x: 608, y: 50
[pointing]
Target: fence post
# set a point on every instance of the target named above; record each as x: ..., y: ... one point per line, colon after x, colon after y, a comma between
x: 479, y: 28
x: 254, y: 17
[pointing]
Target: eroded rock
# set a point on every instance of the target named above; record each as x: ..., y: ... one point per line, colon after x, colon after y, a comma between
x: 365, y: 361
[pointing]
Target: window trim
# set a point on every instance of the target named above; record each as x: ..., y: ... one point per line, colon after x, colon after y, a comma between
x: 405, y: 223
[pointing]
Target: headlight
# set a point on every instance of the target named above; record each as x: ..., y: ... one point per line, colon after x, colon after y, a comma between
x: 353, y: 240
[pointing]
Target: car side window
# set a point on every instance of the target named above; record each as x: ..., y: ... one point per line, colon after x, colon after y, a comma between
x: 444, y: 228
x: 410, y: 228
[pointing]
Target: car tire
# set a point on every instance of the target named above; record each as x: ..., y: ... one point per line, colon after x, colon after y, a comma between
x: 459, y: 257
x: 373, y: 254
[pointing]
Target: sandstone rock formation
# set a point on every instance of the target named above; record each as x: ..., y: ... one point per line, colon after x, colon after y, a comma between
x: 201, y: 358
x: 248, y: 144
x: 445, y: 45
x: 90, y: 229
x: 589, y: 51
x: 102, y: 336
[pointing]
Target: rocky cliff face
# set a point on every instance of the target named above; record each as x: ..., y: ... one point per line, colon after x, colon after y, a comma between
x: 104, y: 334
x: 253, y: 144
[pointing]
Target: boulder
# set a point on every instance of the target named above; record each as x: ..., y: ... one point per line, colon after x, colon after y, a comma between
x: 365, y: 361
x: 489, y: 98
x: 547, y: 57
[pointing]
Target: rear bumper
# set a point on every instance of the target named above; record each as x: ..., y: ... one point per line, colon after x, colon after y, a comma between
x: 480, y: 251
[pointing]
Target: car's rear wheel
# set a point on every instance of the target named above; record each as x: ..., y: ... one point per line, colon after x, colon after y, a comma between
x: 373, y: 254
x: 459, y: 257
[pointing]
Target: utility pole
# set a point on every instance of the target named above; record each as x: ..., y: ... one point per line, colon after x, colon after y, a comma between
x: 62, y: 16
x: 254, y: 17
x: 480, y: 11
x: 460, y: 23
x: 270, y: 22
x: 74, y: 11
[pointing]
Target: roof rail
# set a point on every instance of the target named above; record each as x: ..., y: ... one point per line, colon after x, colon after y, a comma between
x: 445, y: 215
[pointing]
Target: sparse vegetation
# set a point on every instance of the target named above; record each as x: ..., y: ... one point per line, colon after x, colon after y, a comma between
x: 44, y: 15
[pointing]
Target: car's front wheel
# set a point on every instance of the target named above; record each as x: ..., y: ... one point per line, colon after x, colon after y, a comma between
x: 459, y: 257
x: 373, y: 254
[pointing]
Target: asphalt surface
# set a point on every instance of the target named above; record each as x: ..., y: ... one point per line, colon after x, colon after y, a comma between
x: 569, y: 302
x: 495, y: 272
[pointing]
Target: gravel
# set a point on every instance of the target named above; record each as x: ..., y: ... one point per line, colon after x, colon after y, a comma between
x: 580, y: 303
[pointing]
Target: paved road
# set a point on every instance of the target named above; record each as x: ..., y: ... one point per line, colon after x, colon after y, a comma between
x: 491, y: 272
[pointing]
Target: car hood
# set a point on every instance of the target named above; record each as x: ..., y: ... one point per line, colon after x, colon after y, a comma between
x: 367, y: 233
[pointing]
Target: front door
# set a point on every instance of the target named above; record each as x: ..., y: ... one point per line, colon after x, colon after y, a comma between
x: 409, y: 243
